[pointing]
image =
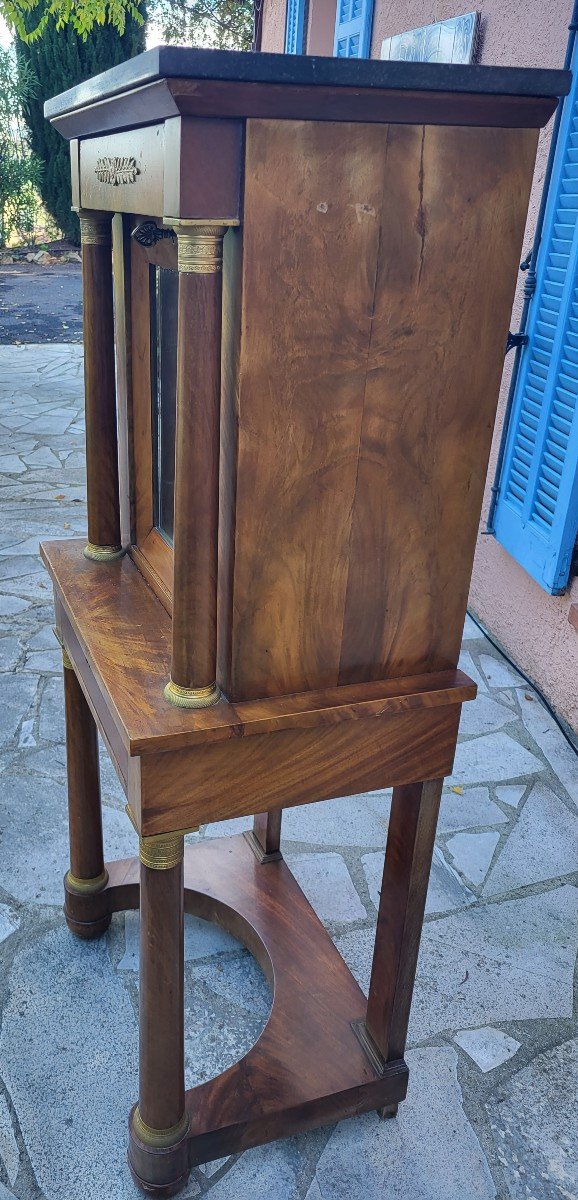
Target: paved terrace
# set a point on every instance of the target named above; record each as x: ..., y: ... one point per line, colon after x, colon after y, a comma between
x: 492, y: 1106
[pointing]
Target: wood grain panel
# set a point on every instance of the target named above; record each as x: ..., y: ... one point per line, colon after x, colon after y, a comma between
x: 311, y: 241
x: 451, y: 237
x: 245, y: 775
x: 203, y: 169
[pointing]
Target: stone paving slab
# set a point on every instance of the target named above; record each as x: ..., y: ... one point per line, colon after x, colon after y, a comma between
x: 493, y: 1034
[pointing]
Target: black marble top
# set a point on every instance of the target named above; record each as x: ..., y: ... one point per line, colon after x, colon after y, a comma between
x: 297, y: 69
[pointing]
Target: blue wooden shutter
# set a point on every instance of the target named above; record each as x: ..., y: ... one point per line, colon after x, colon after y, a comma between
x: 294, y: 26
x: 536, y: 517
x: 353, y: 29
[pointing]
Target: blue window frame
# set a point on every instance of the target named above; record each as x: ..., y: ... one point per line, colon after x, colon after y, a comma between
x: 536, y: 516
x: 353, y: 29
x: 294, y: 26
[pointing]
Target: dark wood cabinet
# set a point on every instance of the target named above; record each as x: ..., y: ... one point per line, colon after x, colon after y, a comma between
x: 305, y: 269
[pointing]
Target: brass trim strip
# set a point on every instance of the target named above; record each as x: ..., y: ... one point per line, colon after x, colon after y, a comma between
x: 182, y: 697
x: 200, y: 249
x: 86, y: 887
x: 197, y: 222
x: 161, y: 851
x: 95, y: 230
x: 66, y: 660
x: 159, y: 1137
x: 103, y: 553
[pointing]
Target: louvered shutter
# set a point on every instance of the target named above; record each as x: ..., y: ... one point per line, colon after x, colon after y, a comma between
x: 536, y: 516
x: 294, y: 26
x: 353, y: 28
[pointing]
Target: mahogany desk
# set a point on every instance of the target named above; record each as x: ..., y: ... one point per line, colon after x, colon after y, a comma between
x: 292, y: 363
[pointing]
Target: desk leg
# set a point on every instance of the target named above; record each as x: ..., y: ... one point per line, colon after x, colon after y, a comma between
x: 265, y: 836
x: 158, y: 1151
x: 86, y: 905
x: 410, y: 845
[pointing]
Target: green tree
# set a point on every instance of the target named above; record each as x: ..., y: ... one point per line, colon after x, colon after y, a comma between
x: 29, y: 18
x: 57, y: 60
x: 224, y: 24
x: 19, y: 169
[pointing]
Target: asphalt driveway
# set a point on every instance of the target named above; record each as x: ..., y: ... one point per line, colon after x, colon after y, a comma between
x: 40, y: 304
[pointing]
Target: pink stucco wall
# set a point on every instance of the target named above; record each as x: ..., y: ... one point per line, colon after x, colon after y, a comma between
x: 532, y: 626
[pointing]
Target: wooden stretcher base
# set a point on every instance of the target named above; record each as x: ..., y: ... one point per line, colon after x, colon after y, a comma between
x: 308, y: 1066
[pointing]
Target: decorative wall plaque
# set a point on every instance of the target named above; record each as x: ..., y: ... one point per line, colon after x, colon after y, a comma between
x: 116, y: 170
x: 453, y: 41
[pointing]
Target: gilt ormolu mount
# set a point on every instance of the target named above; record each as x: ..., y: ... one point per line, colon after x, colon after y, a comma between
x: 310, y: 321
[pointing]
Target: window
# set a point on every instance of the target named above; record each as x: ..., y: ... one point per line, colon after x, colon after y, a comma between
x: 353, y: 29
x: 295, y: 26
x: 536, y: 515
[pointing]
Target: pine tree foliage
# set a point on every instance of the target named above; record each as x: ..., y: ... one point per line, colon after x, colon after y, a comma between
x: 57, y: 60
x: 19, y: 169
x: 224, y: 24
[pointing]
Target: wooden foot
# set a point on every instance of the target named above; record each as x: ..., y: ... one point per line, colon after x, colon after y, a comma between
x: 159, y: 1124
x: 408, y: 856
x: 86, y: 906
x: 265, y: 836
x: 388, y: 1112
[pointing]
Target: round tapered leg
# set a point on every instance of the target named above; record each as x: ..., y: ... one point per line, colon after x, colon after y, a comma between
x: 86, y: 903
x: 158, y: 1148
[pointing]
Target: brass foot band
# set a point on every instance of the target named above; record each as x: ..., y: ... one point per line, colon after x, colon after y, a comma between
x: 86, y: 887
x: 103, y: 553
x: 159, y: 1137
x: 162, y: 851
x: 192, y: 697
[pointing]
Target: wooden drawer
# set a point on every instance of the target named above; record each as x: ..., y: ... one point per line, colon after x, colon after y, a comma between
x: 124, y: 172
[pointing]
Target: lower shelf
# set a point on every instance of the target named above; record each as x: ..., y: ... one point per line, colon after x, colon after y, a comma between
x: 308, y: 1067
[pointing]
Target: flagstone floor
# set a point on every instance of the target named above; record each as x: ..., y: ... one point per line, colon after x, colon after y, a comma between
x: 492, y: 1109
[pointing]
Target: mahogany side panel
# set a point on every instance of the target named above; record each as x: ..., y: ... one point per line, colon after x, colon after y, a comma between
x: 190, y: 787
x: 374, y: 259
x: 451, y: 239
x: 310, y: 248
x: 203, y: 163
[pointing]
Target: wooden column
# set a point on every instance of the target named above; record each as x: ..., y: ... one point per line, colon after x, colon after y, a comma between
x: 86, y: 908
x: 104, y: 542
x: 194, y: 649
x: 410, y: 845
x: 159, y: 1123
